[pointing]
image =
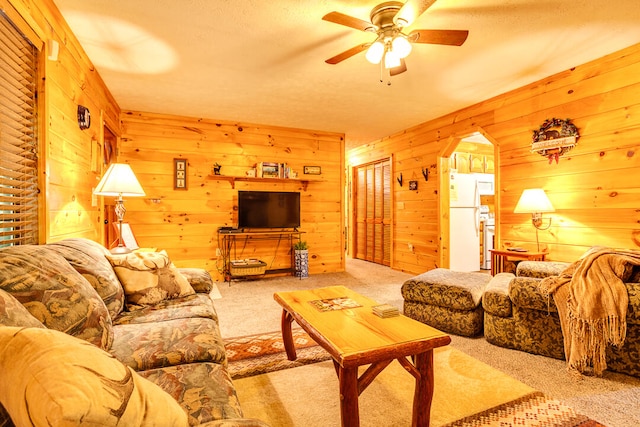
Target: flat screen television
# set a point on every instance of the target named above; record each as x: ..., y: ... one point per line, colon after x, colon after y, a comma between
x: 268, y: 209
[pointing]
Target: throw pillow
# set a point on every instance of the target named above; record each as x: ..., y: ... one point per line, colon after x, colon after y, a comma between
x: 149, y: 278
x: 88, y: 258
x: 12, y: 313
x: 50, y: 378
x: 55, y: 293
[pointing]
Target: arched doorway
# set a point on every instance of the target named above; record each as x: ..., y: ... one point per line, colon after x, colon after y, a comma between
x: 469, y: 201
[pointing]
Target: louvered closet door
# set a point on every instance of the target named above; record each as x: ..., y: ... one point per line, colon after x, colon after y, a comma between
x: 373, y: 213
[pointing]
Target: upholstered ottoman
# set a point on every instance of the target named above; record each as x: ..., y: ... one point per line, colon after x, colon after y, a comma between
x: 447, y: 300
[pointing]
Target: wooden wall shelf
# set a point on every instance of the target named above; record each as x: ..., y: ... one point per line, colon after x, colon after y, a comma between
x: 232, y: 180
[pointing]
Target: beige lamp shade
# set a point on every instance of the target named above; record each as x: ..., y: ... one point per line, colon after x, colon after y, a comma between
x: 119, y: 180
x: 533, y: 200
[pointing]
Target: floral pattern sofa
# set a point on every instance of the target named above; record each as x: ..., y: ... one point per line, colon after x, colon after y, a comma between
x: 87, y: 338
x: 518, y: 316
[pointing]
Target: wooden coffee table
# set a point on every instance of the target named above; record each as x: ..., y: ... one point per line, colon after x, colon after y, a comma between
x: 356, y: 337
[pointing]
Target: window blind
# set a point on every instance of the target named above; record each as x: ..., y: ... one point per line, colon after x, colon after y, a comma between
x: 18, y: 137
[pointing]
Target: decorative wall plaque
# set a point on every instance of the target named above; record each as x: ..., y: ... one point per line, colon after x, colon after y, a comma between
x: 554, y: 138
x: 312, y: 170
x: 179, y: 174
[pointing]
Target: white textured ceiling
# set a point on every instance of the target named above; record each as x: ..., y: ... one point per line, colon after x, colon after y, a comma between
x: 262, y: 61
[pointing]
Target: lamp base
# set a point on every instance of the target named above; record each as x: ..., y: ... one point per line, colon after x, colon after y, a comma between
x: 120, y: 250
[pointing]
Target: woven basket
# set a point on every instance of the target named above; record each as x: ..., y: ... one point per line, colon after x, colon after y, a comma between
x: 248, y: 268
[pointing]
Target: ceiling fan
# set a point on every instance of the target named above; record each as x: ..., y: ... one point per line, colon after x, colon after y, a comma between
x: 392, y: 45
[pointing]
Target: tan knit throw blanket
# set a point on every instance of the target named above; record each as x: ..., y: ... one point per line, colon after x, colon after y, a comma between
x: 592, y: 301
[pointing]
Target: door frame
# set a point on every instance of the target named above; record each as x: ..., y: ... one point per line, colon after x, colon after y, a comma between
x: 444, y: 185
x: 351, y: 247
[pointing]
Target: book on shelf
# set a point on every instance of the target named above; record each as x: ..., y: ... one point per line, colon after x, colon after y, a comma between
x: 269, y: 170
x: 273, y: 170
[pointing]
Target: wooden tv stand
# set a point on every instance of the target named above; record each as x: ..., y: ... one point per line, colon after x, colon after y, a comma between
x: 228, y: 240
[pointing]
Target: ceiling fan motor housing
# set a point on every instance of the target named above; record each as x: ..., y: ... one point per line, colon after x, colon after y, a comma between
x: 382, y: 15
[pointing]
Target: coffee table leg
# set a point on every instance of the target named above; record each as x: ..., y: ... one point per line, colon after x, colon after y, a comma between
x: 424, y: 389
x: 349, y: 412
x: 287, y: 336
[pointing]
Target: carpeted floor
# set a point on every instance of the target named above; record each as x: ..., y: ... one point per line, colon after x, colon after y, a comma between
x: 247, y: 307
x: 308, y: 396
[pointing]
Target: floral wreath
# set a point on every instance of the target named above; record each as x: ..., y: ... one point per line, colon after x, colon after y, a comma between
x: 544, y: 133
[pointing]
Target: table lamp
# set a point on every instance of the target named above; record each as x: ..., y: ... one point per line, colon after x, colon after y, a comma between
x: 535, y: 202
x: 119, y: 180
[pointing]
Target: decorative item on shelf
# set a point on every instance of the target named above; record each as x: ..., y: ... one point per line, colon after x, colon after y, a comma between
x: 535, y: 202
x: 554, y: 138
x: 251, y: 173
x: 301, y: 259
x: 284, y: 171
x: 179, y: 174
x: 312, y: 170
x: 84, y: 117
x: 216, y: 168
x: 399, y: 179
x: 118, y: 181
x: 268, y: 170
x: 413, y: 185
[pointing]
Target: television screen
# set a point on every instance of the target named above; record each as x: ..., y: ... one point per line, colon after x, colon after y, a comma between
x: 268, y: 209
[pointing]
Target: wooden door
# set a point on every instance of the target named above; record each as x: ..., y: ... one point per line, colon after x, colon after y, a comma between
x: 373, y: 212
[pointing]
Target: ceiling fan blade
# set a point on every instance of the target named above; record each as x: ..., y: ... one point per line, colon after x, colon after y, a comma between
x: 399, y: 69
x: 448, y: 37
x: 411, y: 10
x: 348, y: 53
x: 349, y: 21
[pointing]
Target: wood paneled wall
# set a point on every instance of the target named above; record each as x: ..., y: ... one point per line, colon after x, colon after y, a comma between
x: 595, y: 188
x: 71, y: 158
x: 185, y: 223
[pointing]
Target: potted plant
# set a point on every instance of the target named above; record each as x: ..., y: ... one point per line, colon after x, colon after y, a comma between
x: 301, y: 259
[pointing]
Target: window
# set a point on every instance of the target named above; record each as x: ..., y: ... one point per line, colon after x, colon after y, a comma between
x: 18, y: 137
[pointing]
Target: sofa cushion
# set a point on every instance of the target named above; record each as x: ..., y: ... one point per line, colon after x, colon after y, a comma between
x: 54, y: 293
x: 524, y: 292
x: 540, y: 269
x: 50, y: 378
x: 149, y: 278
x: 89, y: 259
x: 199, y: 278
x: 204, y: 390
x: 12, y: 313
x: 496, y: 296
x: 633, y: 311
x: 197, y: 305
x: 446, y: 288
x: 171, y: 342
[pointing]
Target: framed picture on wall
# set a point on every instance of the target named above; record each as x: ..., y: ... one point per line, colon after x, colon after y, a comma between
x: 312, y: 170
x: 179, y: 174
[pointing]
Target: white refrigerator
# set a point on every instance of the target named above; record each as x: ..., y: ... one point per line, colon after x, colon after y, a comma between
x: 464, y: 223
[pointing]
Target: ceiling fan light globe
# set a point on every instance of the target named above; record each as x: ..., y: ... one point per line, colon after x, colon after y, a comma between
x: 375, y: 52
x: 391, y: 60
x: 401, y: 46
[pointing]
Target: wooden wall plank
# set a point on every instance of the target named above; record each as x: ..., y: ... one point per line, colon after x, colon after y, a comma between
x: 594, y: 188
x: 150, y: 142
x: 70, y: 171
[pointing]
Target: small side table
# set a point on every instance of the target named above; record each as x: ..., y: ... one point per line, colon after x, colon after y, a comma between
x: 498, y: 258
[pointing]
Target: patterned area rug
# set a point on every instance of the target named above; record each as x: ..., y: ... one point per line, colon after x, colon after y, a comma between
x: 258, y: 354
x: 264, y: 353
x: 532, y: 410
